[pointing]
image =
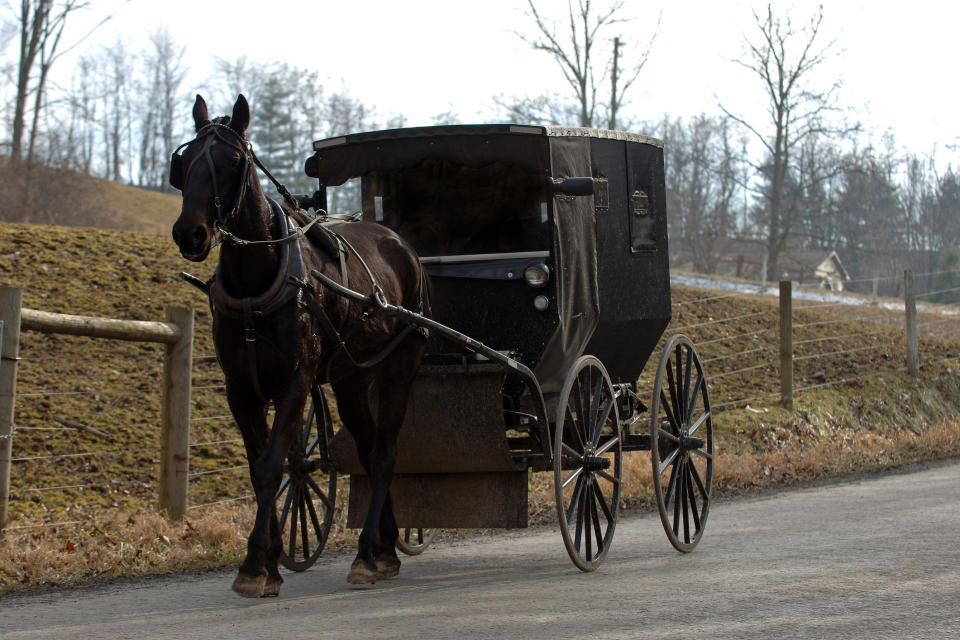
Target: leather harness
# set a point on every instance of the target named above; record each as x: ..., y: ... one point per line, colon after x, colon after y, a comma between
x: 292, y: 279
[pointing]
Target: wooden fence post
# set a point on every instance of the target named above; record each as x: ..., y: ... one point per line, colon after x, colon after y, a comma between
x: 175, y: 415
x: 786, y: 344
x: 910, y: 304
x: 10, y: 301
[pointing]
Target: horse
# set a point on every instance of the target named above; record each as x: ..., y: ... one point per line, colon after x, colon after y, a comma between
x: 277, y: 330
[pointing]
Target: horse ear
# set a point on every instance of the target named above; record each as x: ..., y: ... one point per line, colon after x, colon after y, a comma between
x: 240, y: 119
x: 200, y: 114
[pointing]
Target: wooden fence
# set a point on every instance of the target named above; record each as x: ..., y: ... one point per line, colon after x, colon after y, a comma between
x: 175, y: 332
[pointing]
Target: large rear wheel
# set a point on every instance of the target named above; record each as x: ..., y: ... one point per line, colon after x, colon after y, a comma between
x: 587, y: 463
x: 681, y: 443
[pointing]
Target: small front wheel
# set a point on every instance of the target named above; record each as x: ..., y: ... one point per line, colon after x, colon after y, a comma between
x: 587, y: 457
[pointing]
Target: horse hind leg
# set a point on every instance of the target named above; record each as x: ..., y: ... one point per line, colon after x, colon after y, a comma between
x: 394, y: 380
x: 353, y: 403
x: 388, y: 562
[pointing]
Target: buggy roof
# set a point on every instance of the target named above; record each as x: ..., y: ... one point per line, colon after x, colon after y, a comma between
x: 340, y: 158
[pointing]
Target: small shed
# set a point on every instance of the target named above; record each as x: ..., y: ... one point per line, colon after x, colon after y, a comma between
x: 821, y: 267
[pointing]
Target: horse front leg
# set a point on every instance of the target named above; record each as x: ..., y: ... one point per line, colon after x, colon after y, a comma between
x: 259, y: 574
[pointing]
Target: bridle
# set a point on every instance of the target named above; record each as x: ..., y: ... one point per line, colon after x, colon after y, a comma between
x: 211, y: 133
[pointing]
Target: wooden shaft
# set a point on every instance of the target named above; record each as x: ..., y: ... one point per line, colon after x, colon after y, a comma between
x: 175, y: 415
x: 135, y: 330
x: 10, y: 301
x: 786, y: 344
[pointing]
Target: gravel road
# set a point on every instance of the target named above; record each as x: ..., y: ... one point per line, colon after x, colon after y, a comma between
x: 872, y: 558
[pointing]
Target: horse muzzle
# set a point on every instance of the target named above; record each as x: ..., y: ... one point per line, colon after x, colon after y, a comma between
x: 194, y: 244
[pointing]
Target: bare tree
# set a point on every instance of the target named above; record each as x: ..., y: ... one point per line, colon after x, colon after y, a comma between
x: 575, y: 51
x: 161, y: 108
x: 41, y: 24
x: 785, y: 58
x: 702, y: 167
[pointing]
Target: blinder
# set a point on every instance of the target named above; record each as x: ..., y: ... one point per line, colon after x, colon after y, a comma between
x: 175, y: 175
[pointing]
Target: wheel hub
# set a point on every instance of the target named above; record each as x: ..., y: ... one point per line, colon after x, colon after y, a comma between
x: 596, y: 463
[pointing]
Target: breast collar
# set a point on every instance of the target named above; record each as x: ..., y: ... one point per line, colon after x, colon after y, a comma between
x: 290, y: 279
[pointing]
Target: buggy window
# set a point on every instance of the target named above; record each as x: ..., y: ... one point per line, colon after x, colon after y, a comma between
x: 446, y: 208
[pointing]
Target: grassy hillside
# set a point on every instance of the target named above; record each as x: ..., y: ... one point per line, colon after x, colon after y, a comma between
x: 858, y: 410
x: 42, y: 195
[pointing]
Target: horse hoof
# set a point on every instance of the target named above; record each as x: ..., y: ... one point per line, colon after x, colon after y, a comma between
x: 361, y: 574
x: 388, y: 566
x: 272, y: 587
x: 250, y: 586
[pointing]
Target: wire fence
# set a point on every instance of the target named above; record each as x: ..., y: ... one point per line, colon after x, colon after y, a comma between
x: 831, y: 346
x: 93, y: 413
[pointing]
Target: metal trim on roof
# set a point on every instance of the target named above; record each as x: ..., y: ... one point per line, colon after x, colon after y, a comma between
x: 589, y: 132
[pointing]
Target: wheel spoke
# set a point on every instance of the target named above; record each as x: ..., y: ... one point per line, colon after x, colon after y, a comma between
x: 677, y: 498
x: 706, y: 455
x: 283, y: 485
x: 606, y: 476
x: 580, y: 417
x: 603, y: 504
x: 594, y: 424
x: 304, y: 498
x: 573, y: 452
x: 576, y: 474
x: 685, y: 391
x: 669, y: 461
x: 595, y: 517
x: 685, y: 507
x: 671, y: 486
x: 695, y: 474
x: 699, y: 423
x: 585, y: 511
x: 327, y: 501
x: 609, y: 444
x: 694, y: 510
x: 286, y: 501
x: 674, y: 410
x: 669, y: 436
x: 574, y: 501
x: 578, y: 505
x: 293, y: 524
x: 314, y: 518
x: 308, y: 450
x: 666, y: 403
x: 570, y: 426
x: 692, y: 402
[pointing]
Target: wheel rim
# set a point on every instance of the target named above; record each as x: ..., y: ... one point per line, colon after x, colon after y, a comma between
x: 307, y: 502
x: 414, y: 541
x: 587, y: 463
x: 681, y: 444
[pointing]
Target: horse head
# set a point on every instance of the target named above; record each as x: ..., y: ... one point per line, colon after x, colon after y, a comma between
x: 212, y: 171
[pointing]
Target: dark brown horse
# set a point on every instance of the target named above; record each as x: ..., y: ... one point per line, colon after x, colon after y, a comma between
x: 277, y: 330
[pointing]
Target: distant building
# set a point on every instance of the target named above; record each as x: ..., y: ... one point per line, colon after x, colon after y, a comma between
x: 746, y: 260
x: 822, y: 267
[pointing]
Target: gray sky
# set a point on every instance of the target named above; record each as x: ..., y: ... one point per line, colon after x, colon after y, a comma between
x: 424, y: 57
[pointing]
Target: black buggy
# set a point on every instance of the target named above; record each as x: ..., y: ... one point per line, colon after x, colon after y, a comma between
x: 547, y: 254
